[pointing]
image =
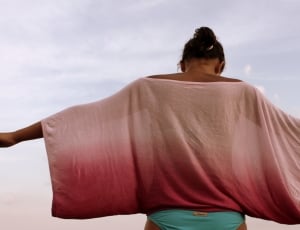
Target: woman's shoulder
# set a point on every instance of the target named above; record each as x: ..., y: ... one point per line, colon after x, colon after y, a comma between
x: 200, y: 78
x: 174, y: 76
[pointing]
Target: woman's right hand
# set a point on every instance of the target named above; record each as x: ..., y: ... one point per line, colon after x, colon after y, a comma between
x: 7, y: 139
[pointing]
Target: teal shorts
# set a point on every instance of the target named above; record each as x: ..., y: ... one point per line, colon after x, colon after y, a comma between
x: 176, y: 219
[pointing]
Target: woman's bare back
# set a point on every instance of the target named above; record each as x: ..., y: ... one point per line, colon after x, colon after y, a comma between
x: 195, y: 77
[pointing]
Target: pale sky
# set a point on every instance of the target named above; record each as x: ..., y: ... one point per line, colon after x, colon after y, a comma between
x: 55, y: 54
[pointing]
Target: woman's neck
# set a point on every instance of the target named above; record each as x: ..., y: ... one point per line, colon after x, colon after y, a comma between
x: 202, y: 66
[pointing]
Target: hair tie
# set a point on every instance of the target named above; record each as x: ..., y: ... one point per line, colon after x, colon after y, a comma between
x: 210, y: 48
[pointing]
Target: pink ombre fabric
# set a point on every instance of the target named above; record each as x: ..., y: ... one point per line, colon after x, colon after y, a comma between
x: 160, y: 144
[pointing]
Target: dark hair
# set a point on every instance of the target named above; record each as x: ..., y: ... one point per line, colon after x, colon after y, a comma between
x: 203, y: 44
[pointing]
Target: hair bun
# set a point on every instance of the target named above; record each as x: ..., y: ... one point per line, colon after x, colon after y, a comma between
x: 205, y: 37
x: 203, y: 45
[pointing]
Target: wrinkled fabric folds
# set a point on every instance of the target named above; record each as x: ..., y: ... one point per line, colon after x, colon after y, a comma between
x: 160, y: 144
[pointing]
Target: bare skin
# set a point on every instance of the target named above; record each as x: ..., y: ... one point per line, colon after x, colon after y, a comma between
x: 29, y: 133
x: 195, y: 70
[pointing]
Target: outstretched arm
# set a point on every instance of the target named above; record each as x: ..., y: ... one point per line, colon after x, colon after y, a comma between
x: 29, y: 133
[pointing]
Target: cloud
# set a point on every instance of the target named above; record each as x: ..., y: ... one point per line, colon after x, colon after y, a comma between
x: 295, y: 111
x: 248, y: 69
x: 144, y: 5
x: 276, y: 97
x: 6, y: 159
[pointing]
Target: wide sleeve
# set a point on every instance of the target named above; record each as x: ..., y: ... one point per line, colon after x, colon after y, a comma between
x: 90, y: 159
x: 266, y: 156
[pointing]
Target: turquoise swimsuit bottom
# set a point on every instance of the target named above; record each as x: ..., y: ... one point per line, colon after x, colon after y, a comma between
x: 175, y: 219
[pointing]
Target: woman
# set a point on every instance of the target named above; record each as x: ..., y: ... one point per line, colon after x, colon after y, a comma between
x: 202, y: 62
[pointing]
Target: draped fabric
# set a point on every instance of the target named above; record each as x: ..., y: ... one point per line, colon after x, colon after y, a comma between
x: 159, y: 144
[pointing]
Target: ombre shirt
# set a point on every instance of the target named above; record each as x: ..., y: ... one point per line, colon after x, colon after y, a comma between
x: 164, y: 144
